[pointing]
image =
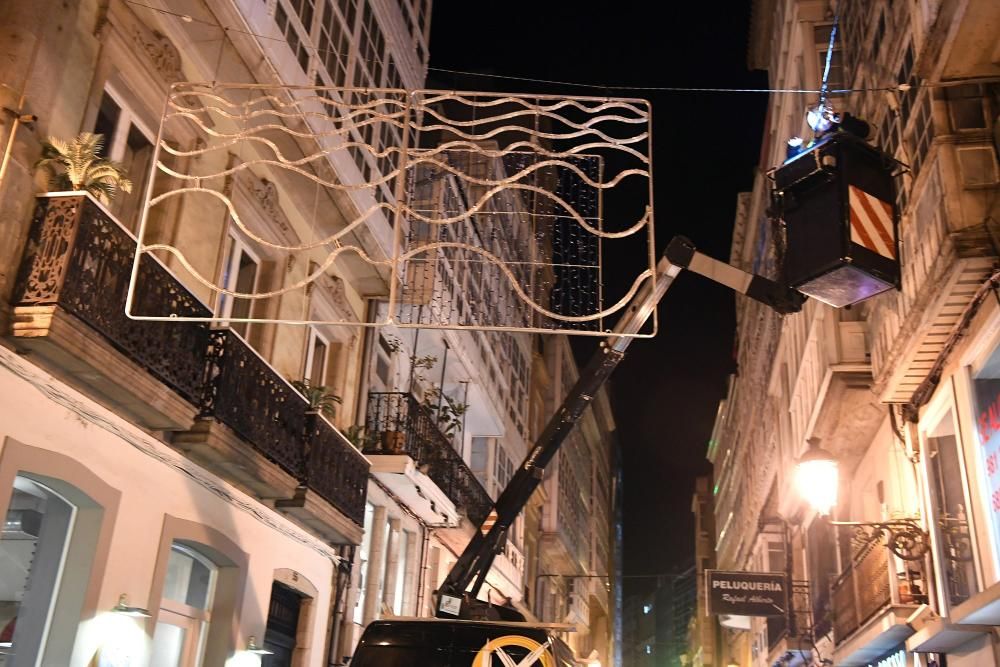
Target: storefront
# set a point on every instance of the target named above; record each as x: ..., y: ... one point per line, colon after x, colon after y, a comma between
x: 116, y: 548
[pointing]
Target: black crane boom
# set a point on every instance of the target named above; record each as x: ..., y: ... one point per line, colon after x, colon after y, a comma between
x: 455, y: 597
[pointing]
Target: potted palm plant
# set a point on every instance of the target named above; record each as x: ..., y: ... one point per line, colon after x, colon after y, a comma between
x: 320, y: 399
x: 77, y: 165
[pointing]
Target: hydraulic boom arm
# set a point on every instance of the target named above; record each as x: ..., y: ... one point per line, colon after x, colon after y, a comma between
x: 477, y: 558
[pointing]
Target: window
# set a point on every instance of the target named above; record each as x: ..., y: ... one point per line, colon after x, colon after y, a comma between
x: 978, y: 166
x: 503, y: 469
x: 240, y: 271
x: 479, y: 459
x: 317, y: 354
x: 950, y: 508
x: 32, y: 558
x: 296, y: 33
x: 334, y: 45
x: 363, y: 557
x: 128, y: 142
x: 821, y: 36
x: 966, y: 105
x: 185, y: 609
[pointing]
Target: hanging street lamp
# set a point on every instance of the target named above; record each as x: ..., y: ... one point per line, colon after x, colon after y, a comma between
x: 817, y: 479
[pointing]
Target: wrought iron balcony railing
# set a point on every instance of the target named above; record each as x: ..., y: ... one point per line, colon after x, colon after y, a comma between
x: 243, y: 392
x: 398, y: 424
x: 79, y: 258
x: 865, y: 588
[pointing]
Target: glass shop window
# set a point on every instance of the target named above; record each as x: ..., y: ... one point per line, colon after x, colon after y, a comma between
x: 185, y: 609
x: 986, y: 391
x: 33, y: 549
x: 951, y: 508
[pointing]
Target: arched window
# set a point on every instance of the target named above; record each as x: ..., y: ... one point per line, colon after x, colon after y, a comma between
x: 36, y: 530
x: 185, y: 608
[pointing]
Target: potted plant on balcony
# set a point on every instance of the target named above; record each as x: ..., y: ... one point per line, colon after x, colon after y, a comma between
x: 321, y: 401
x: 77, y: 165
x: 448, y: 412
x: 361, y: 439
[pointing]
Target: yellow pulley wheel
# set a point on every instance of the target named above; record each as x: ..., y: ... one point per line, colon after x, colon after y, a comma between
x: 538, y: 653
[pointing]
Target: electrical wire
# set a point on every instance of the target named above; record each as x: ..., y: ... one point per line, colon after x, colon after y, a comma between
x: 903, y: 87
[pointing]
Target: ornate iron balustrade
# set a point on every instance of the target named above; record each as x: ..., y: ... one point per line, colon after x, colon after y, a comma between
x: 79, y: 258
x: 335, y: 470
x: 865, y: 588
x: 243, y: 392
x: 397, y: 423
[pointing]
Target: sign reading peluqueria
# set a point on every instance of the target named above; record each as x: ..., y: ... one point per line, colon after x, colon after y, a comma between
x: 746, y: 593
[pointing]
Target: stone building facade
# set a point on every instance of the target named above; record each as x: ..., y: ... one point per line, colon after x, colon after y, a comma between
x: 172, y: 468
x: 898, y: 387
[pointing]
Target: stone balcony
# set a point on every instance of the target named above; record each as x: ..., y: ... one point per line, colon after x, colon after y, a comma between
x: 418, y: 462
x: 219, y: 401
x: 69, y: 313
x: 871, y: 604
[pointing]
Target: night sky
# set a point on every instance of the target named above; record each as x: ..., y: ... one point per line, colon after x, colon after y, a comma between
x: 666, y: 392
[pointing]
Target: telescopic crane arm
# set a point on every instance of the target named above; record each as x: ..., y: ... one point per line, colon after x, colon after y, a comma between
x: 456, y: 598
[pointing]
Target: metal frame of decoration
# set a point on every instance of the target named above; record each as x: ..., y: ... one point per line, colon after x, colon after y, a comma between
x: 904, y: 537
x: 557, y: 195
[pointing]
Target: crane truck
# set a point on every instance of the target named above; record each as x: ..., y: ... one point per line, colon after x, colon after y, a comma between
x: 827, y: 257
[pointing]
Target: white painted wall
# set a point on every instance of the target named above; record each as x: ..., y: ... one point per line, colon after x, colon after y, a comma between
x: 41, y: 412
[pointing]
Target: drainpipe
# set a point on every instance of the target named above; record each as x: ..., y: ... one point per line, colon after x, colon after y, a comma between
x: 422, y: 572
x: 367, y: 348
x: 19, y: 118
x: 342, y: 581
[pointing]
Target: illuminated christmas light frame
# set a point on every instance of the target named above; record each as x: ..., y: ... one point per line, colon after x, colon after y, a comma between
x: 479, y: 210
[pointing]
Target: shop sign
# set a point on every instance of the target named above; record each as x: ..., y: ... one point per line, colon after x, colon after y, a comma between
x: 746, y: 593
x: 988, y: 430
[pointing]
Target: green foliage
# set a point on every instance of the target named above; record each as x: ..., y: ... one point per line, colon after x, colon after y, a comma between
x: 77, y: 165
x: 356, y: 435
x: 448, y: 412
x: 319, y: 397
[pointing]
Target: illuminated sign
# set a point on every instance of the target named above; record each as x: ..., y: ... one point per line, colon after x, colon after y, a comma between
x: 987, y: 392
x: 746, y: 593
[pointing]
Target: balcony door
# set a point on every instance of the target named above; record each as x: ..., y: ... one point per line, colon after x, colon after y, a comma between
x: 129, y: 142
x: 240, y: 273
x: 947, y: 484
x: 185, y: 609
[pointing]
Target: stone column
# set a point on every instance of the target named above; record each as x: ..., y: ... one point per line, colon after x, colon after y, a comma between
x: 376, y: 566
x: 411, y: 573
x: 392, y: 565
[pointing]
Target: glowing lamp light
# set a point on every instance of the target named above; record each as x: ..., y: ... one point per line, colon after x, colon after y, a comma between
x: 816, y: 477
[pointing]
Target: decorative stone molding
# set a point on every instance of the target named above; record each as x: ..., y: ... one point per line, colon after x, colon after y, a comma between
x: 334, y: 288
x: 266, y: 194
x: 163, y: 53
